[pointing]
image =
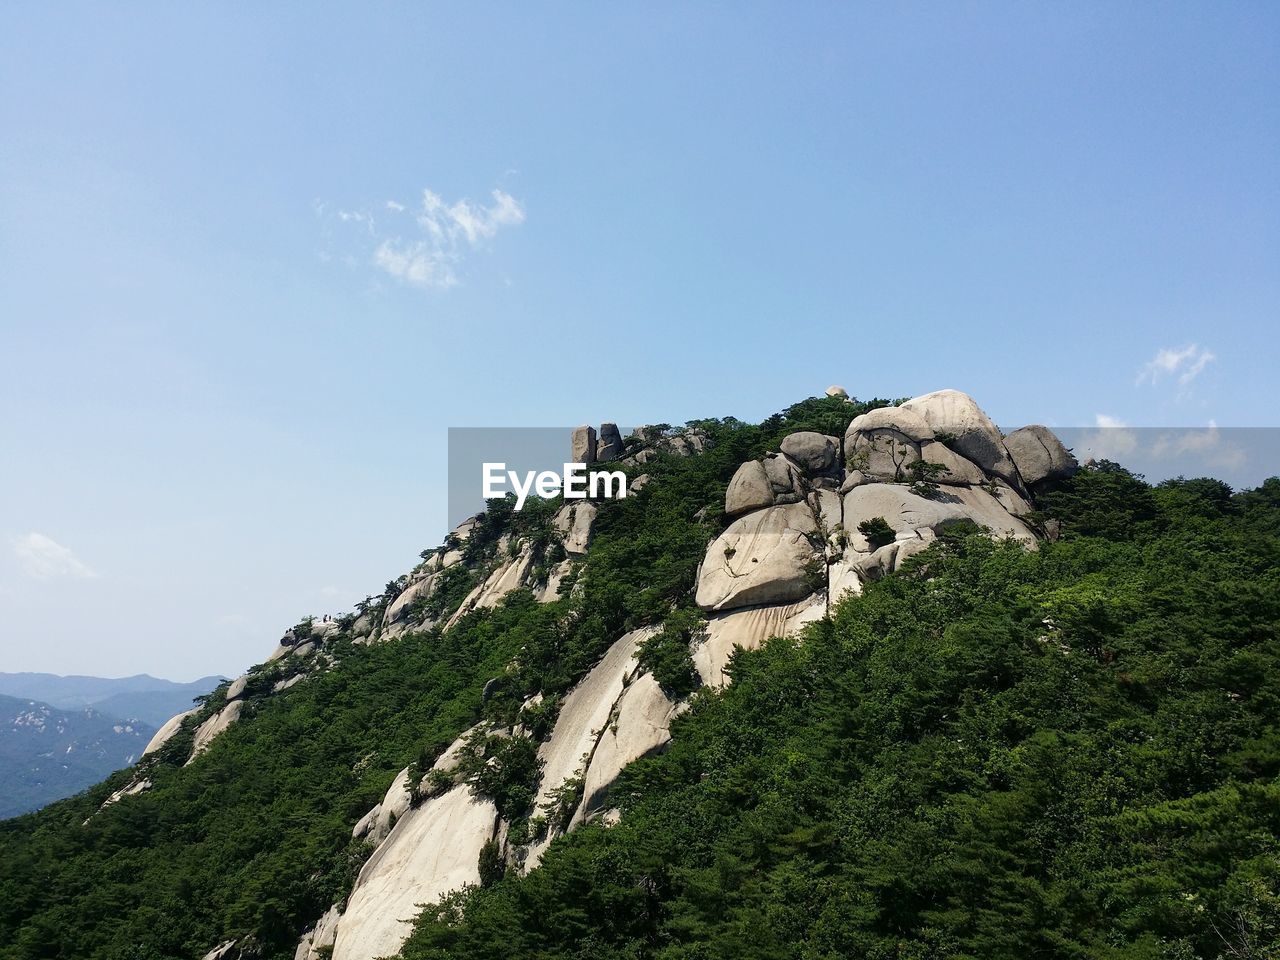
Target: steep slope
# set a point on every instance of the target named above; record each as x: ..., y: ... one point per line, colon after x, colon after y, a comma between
x: 998, y: 753
x: 47, y: 753
x: 515, y: 729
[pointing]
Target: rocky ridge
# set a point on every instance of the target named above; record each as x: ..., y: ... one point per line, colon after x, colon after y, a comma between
x: 807, y: 525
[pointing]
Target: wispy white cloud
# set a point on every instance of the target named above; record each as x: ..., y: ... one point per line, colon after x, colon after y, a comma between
x: 1185, y: 363
x: 44, y: 558
x: 420, y: 264
x: 429, y: 252
x: 363, y: 219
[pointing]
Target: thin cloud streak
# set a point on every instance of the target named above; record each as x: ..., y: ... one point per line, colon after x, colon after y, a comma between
x: 443, y: 235
x: 1186, y: 364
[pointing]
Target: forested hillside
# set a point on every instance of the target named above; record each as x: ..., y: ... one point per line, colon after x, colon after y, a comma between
x: 995, y: 751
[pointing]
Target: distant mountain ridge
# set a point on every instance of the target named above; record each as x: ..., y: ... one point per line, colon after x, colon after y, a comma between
x: 59, y: 735
x: 143, y: 697
x: 47, y: 753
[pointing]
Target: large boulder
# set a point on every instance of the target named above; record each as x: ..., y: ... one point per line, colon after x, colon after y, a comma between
x: 748, y: 490
x: 883, y: 442
x: 900, y: 420
x: 765, y: 557
x: 238, y: 687
x: 167, y: 732
x: 913, y: 517
x: 958, y: 469
x: 609, y: 445
x: 583, y: 445
x: 785, y: 478
x: 835, y: 390
x: 974, y: 435
x: 815, y: 453
x: 1039, y: 455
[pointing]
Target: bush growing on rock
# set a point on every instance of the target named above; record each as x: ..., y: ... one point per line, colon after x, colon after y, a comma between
x: 877, y: 531
x: 923, y: 476
x: 666, y: 655
x: 492, y: 865
x: 503, y: 768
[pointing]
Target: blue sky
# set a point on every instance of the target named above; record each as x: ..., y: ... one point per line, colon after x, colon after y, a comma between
x: 258, y: 258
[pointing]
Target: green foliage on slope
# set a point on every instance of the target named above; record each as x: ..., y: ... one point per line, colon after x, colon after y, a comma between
x: 254, y: 838
x: 1066, y: 753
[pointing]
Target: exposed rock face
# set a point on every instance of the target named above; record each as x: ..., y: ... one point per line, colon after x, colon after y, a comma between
x: 282, y: 685
x: 959, y: 472
x: 976, y: 437
x: 216, y: 724
x: 913, y: 517
x: 237, y: 688
x: 641, y: 726
x: 767, y: 559
x: 294, y: 642
x: 317, y: 944
x: 816, y: 454
x: 425, y: 852
x: 574, y: 521
x: 748, y: 490
x: 653, y: 441
x: 462, y: 532
x: 377, y: 823
x: 785, y: 478
x: 433, y: 849
x: 399, y: 616
x: 686, y: 443
x: 837, y: 391
x: 609, y: 447
x: 551, y: 589
x: 792, y: 545
x: 583, y: 719
x: 882, y: 444
x: 507, y: 577
x: 583, y: 445
x: 166, y: 733
x: 764, y: 557
x: 1039, y: 455
x: 130, y: 790
x: 748, y: 628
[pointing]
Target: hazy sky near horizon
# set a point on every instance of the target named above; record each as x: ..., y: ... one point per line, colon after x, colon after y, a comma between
x: 256, y: 259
